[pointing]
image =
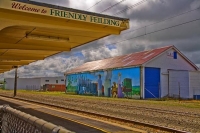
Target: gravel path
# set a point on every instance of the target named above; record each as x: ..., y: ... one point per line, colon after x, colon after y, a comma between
x: 178, y: 117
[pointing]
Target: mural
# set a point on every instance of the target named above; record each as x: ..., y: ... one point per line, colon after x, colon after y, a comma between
x: 110, y: 83
x: 86, y: 83
x: 126, y: 82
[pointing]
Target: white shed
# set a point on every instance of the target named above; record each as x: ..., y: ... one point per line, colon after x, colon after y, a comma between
x: 33, y: 83
x: 23, y: 83
x: 194, y: 83
x: 174, y: 73
x: 153, y: 73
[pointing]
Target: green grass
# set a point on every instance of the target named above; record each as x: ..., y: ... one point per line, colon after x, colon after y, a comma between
x: 160, y: 102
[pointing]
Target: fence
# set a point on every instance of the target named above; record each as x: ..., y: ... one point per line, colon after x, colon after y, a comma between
x: 14, y: 121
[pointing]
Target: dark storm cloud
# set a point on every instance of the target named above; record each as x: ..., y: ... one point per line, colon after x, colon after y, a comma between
x: 157, y: 9
x: 64, y: 3
x: 184, y: 37
x: 194, y: 57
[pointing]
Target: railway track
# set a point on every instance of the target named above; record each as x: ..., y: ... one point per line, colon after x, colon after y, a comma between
x: 172, y: 112
x: 156, y: 127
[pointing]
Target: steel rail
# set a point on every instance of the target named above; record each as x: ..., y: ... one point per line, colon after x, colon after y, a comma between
x: 173, y: 112
x: 157, y: 127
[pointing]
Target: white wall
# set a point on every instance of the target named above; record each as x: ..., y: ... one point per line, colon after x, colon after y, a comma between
x: 33, y: 83
x: 164, y: 84
x: 52, y: 80
x: 23, y: 83
x: 195, y: 83
x: 166, y: 62
x: 179, y: 80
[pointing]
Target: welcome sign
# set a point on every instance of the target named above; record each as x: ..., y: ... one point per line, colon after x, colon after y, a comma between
x: 29, y: 8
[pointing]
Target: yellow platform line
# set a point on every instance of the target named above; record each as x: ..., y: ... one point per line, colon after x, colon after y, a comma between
x: 77, y: 122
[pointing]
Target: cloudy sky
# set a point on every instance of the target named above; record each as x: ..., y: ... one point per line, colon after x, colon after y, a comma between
x: 180, y: 28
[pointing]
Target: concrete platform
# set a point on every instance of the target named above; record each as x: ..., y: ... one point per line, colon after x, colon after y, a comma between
x: 71, y: 121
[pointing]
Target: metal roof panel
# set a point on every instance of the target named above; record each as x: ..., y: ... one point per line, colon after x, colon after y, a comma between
x: 134, y: 59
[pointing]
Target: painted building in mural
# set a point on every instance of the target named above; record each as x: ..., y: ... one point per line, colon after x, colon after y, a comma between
x: 154, y: 73
x: 114, y: 82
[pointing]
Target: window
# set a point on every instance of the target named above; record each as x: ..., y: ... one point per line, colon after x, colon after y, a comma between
x: 56, y: 81
x: 46, y: 80
x: 175, y: 55
x: 62, y: 79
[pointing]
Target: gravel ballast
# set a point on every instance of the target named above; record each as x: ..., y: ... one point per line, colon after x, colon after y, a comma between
x: 181, y: 115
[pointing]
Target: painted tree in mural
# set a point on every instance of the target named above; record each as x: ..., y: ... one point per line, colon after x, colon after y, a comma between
x: 69, y: 85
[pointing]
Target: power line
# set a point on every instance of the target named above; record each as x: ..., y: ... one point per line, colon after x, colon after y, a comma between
x: 158, y: 30
x: 94, y: 4
x: 112, y: 6
x: 163, y: 20
x: 128, y: 8
x: 153, y: 31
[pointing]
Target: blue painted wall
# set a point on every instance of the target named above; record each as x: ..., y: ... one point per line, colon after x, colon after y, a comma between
x: 196, y: 97
x: 118, y: 79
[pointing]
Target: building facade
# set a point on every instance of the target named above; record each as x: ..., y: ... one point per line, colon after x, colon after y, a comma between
x: 154, y: 73
x: 33, y: 83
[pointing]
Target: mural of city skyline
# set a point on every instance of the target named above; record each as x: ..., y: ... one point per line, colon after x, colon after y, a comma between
x: 112, y: 83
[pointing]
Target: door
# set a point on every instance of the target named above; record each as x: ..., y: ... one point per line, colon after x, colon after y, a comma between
x: 179, y: 84
x: 152, y: 82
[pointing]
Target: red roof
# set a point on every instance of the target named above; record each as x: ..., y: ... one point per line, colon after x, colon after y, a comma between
x: 134, y: 59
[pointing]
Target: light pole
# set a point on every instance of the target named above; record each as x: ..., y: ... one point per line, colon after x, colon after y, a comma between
x: 15, y: 84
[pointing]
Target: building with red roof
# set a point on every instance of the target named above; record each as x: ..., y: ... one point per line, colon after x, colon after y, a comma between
x: 153, y: 73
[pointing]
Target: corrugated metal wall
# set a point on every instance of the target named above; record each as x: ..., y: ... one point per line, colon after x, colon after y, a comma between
x: 23, y: 84
x: 152, y: 82
x: 179, y: 84
x: 195, y: 84
x: 166, y: 62
x: 52, y: 80
x: 164, y: 83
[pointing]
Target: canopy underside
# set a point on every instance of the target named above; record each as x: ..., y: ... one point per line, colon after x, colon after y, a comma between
x: 26, y: 37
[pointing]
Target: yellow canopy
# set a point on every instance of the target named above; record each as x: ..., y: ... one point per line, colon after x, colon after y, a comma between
x: 31, y: 31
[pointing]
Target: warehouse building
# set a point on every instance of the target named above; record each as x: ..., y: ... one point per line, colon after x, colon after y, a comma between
x: 47, y: 83
x: 154, y: 73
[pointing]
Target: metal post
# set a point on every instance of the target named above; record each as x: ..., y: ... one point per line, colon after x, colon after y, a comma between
x: 168, y: 83
x: 65, y: 80
x: 141, y: 82
x: 179, y: 92
x: 159, y: 90
x: 15, y: 84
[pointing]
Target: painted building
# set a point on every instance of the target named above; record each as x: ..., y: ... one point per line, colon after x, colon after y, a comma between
x: 33, y: 83
x: 154, y: 73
